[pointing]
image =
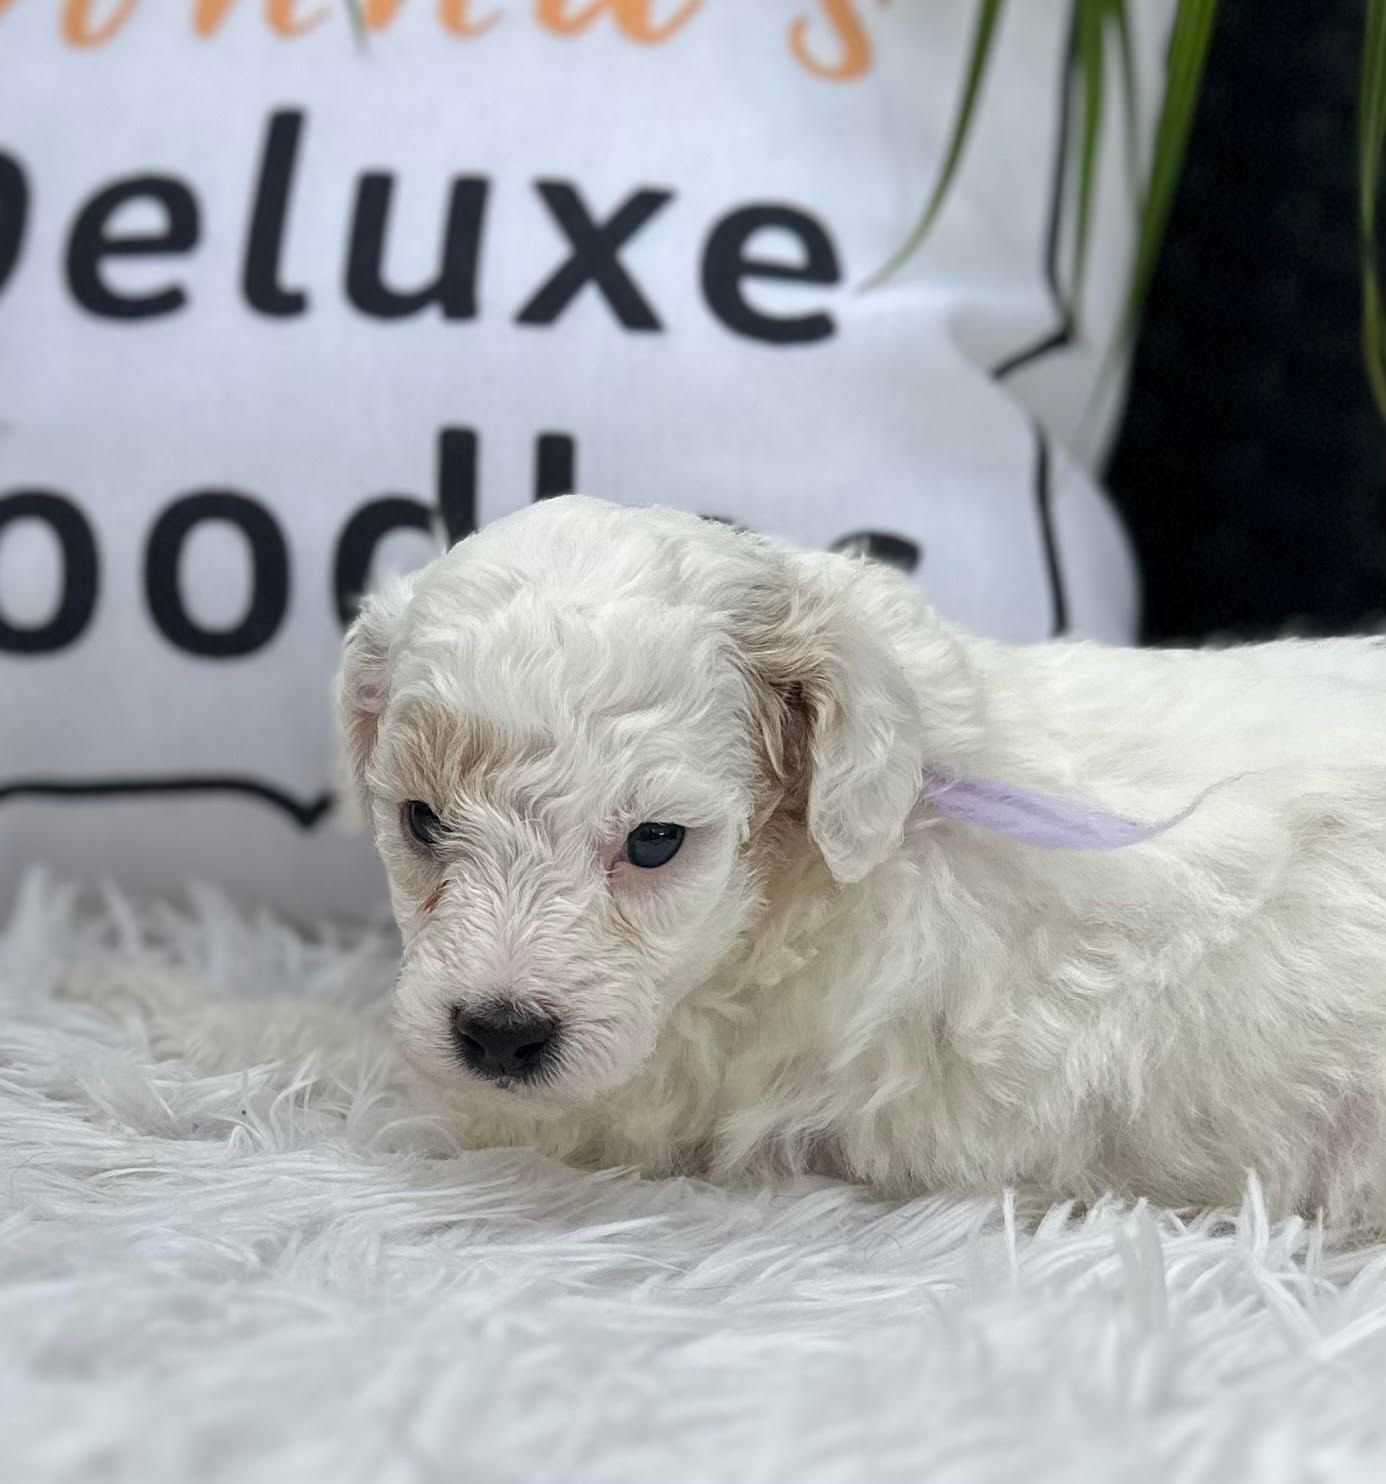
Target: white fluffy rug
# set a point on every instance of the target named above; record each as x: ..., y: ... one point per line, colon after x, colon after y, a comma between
x: 252, y: 1277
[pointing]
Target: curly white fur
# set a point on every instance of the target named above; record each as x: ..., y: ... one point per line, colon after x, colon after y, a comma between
x: 828, y: 976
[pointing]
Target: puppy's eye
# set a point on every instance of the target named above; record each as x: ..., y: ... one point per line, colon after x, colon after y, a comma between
x: 422, y: 822
x: 651, y: 844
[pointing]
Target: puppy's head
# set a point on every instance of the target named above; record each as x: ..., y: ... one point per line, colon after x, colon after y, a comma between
x: 584, y: 738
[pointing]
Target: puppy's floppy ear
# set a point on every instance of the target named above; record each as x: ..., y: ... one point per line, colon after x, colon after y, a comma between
x: 841, y: 722
x: 363, y: 681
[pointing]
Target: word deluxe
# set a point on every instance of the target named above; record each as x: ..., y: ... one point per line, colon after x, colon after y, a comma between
x: 829, y: 38
x: 730, y: 261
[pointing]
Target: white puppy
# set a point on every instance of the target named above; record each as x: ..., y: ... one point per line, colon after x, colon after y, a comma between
x: 669, y: 814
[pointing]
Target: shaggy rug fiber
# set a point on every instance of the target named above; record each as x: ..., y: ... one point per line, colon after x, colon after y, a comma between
x: 265, y: 1277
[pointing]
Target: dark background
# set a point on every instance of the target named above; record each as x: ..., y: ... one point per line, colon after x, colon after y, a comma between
x: 1251, y: 465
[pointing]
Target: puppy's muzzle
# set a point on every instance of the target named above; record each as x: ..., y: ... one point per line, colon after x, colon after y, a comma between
x: 504, y: 1047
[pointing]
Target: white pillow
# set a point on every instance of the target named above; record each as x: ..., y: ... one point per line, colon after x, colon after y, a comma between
x: 237, y: 377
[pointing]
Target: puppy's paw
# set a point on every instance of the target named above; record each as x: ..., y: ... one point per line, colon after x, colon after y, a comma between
x: 164, y: 1001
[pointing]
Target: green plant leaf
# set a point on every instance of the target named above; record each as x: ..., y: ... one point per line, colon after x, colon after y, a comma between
x: 1188, y: 54
x: 1371, y: 133
x: 1089, y: 61
x: 1130, y: 96
x: 1094, y: 23
x: 979, y: 54
x: 358, y: 21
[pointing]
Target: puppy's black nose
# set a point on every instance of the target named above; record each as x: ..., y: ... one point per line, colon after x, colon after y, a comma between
x: 497, y: 1045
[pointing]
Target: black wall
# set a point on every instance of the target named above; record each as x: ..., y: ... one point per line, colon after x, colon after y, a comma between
x: 1251, y: 467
